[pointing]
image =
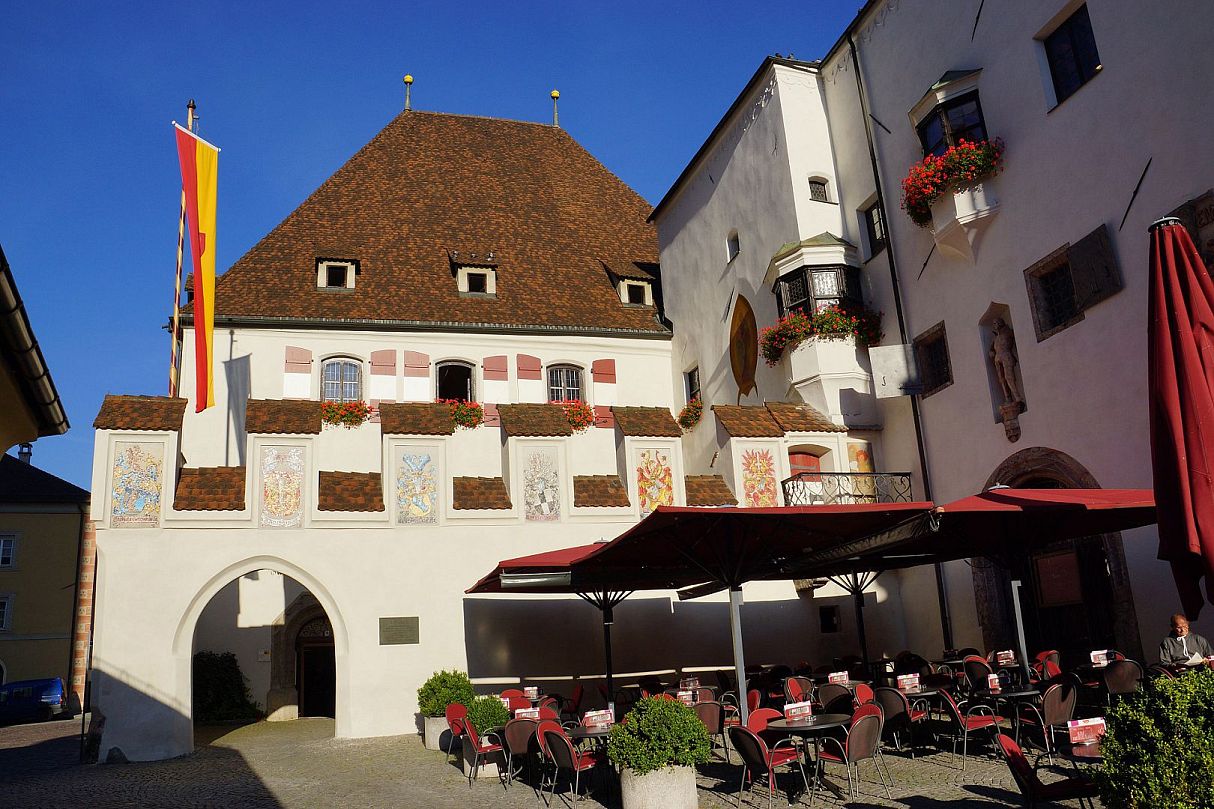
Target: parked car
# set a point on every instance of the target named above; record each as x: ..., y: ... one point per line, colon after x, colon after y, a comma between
x: 32, y: 700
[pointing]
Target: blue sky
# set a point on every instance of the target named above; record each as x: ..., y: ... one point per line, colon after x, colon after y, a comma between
x: 90, y: 184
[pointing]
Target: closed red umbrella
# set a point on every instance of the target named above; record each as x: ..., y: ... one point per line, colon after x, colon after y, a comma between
x: 1181, y: 379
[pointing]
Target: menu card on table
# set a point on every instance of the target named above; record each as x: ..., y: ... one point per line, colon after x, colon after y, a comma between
x: 838, y: 677
x: 1100, y: 657
x: 688, y: 698
x: 597, y: 719
x: 798, y: 710
x: 908, y: 682
x: 1007, y: 658
x: 992, y: 682
x: 505, y: 702
x: 527, y: 713
x: 1085, y: 731
x: 532, y: 692
x: 689, y: 683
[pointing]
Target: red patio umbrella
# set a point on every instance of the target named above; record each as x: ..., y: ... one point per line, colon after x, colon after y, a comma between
x: 1181, y: 382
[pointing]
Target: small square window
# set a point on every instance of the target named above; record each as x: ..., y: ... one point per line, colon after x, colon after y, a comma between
x: 478, y: 282
x: 8, y: 547
x: 335, y: 274
x: 636, y: 294
x: 817, y: 191
x: 931, y: 354
x: 1071, y: 53
x: 875, y: 227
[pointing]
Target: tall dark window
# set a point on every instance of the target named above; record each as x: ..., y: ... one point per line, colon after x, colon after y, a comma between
x: 931, y: 354
x: 455, y: 381
x: 1071, y: 52
x: 811, y: 289
x: 692, y: 379
x: 564, y: 383
x: 952, y: 121
x: 875, y: 226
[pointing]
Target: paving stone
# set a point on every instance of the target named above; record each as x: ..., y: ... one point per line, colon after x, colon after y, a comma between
x: 300, y: 764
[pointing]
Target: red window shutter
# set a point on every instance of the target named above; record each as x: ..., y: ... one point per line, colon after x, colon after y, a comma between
x: 417, y: 364
x: 298, y: 361
x: 383, y: 362
x: 603, y: 371
x: 806, y: 462
x: 528, y: 367
x: 496, y: 369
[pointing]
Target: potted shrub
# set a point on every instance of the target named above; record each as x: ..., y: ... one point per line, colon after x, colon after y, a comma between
x: 485, y: 714
x: 848, y: 326
x: 579, y: 414
x: 1159, y: 746
x: 690, y: 415
x: 465, y: 415
x: 442, y: 689
x: 657, y: 747
x: 346, y: 414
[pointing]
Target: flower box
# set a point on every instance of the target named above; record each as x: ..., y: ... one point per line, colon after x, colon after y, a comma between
x: 834, y: 376
x: 958, y: 218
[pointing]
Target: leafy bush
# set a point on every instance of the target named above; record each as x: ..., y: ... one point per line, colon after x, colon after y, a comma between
x: 831, y: 323
x: 1159, y: 746
x: 486, y: 713
x: 579, y: 414
x: 465, y: 415
x: 691, y: 413
x: 659, y: 733
x: 221, y: 692
x: 442, y: 689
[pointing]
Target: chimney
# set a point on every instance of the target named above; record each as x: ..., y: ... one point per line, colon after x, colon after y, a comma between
x: 25, y: 452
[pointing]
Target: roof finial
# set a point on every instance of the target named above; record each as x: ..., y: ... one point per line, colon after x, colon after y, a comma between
x: 408, y: 88
x: 555, y: 95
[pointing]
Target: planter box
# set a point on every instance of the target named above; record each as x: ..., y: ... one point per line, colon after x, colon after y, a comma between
x: 671, y: 788
x: 835, y: 377
x: 436, y: 728
x: 959, y: 218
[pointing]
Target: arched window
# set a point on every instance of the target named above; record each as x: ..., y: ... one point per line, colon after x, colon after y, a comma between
x: 341, y: 380
x: 454, y: 381
x: 564, y: 383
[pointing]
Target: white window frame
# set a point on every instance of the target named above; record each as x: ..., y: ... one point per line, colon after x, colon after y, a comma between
x: 357, y: 363
x: 627, y: 284
x: 461, y: 280
x: 471, y: 366
x: 322, y: 273
x: 13, y: 538
x: 699, y: 393
x: 565, y: 366
x: 6, y: 612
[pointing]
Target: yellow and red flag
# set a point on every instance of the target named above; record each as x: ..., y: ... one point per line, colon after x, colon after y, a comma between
x: 199, y: 164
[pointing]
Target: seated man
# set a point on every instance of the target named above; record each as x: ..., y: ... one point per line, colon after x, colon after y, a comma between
x: 1182, y: 647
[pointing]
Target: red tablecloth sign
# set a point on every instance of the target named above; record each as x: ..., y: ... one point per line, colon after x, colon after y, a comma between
x: 907, y: 682
x: 527, y: 713
x: 838, y: 677
x: 597, y: 719
x: 798, y: 710
x: 1085, y: 731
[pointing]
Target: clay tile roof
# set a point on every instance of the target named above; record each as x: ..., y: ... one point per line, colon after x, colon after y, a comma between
x: 420, y: 418
x: 646, y: 421
x: 140, y: 413
x: 747, y: 421
x: 472, y: 493
x: 212, y: 488
x: 430, y: 184
x: 534, y: 419
x: 599, y: 490
x: 802, y: 418
x: 708, y: 490
x: 350, y: 491
x: 268, y: 416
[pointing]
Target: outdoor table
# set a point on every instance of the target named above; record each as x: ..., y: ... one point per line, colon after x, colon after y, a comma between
x: 1080, y: 753
x: 823, y: 679
x: 812, y: 727
x: 594, y: 732
x: 1013, y: 695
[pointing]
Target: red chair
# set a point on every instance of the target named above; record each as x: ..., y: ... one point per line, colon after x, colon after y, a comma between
x: 798, y: 689
x: 514, y: 692
x: 454, y: 711
x: 476, y: 751
x: 565, y: 757
x: 976, y: 671
x: 517, y: 703
x: 551, y: 703
x: 863, y: 742
x: 573, y: 705
x: 864, y: 694
x: 547, y: 712
x: 967, y: 722
x: 759, y: 759
x: 1030, y: 785
x: 900, y: 715
x: 518, y: 734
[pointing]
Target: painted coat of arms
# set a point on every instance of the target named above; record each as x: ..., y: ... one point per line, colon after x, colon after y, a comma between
x: 541, y: 486
x: 282, y: 476
x: 135, y: 488
x: 416, y: 489
x: 655, y: 480
x: 758, y: 478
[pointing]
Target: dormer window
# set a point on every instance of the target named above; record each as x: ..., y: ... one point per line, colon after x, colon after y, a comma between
x: 335, y: 274
x: 476, y: 281
x: 636, y: 293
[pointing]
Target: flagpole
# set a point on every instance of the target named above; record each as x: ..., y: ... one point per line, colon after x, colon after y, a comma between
x: 175, y: 349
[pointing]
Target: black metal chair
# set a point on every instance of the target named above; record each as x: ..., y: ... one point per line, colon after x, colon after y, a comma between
x: 900, y: 716
x: 863, y: 742
x: 759, y: 759
x: 712, y: 714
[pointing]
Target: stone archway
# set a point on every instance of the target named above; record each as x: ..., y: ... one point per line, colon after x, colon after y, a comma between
x: 992, y: 592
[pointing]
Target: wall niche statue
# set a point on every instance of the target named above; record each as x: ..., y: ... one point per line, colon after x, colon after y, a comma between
x: 1003, y: 369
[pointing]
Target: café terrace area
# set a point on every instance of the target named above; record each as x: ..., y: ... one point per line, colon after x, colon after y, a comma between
x: 846, y: 727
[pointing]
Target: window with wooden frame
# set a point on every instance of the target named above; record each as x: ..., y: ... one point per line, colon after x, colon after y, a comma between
x: 1071, y: 53
x: 1071, y: 280
x: 812, y: 289
x: 453, y: 381
x: 818, y: 190
x: 691, y: 381
x: 950, y: 122
x: 341, y: 380
x: 335, y: 274
x: 6, y: 612
x: 874, y: 226
x: 564, y: 383
x: 931, y: 354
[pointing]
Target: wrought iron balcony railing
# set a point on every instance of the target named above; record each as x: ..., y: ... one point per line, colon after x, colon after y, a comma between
x: 829, y: 488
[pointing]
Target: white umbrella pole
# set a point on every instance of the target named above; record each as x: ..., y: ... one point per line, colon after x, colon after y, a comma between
x: 739, y: 661
x: 1023, y: 652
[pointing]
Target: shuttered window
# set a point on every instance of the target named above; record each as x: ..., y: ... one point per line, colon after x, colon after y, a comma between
x: 931, y: 354
x: 1071, y: 280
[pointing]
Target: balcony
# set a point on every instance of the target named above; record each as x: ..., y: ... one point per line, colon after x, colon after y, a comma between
x: 836, y: 488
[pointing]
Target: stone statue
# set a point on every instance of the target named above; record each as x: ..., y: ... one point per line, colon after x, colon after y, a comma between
x: 1003, y: 355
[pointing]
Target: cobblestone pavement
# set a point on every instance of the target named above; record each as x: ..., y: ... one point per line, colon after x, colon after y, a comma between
x: 300, y: 764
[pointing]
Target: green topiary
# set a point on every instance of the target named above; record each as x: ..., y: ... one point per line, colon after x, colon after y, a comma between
x: 442, y: 689
x: 1159, y: 746
x: 659, y: 733
x: 486, y: 713
x: 221, y: 693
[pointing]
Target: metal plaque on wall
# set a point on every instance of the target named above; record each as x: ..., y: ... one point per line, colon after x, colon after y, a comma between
x: 397, y: 631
